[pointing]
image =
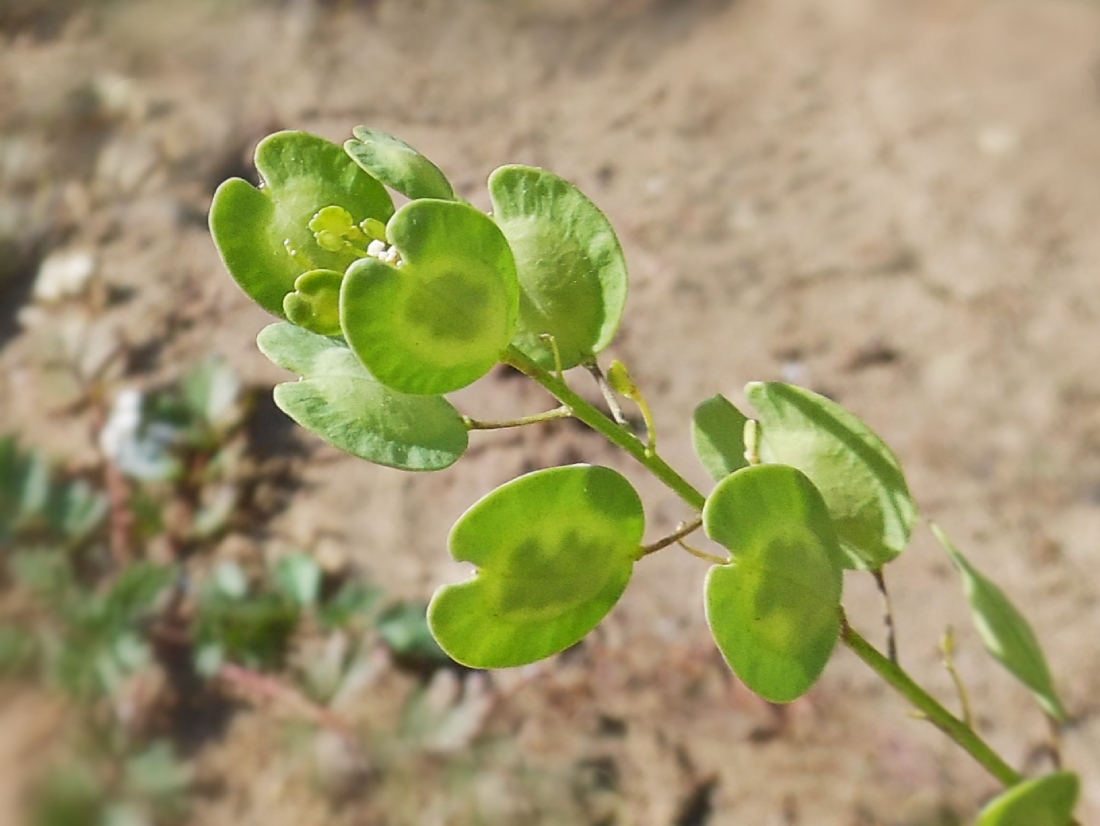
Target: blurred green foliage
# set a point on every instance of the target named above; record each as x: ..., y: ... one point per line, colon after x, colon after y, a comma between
x: 79, y: 619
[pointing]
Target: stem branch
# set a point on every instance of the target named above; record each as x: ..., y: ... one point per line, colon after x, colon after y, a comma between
x: 596, y: 420
x: 269, y: 688
x: 890, y: 672
x: 947, y: 646
x: 940, y: 717
x: 562, y: 412
x: 608, y: 394
x: 887, y: 615
x: 672, y: 538
x: 703, y: 555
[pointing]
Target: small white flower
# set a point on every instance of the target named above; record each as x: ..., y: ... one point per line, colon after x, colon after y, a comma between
x: 378, y: 249
x: 122, y: 424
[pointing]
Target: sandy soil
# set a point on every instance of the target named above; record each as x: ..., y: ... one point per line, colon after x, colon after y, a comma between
x: 893, y: 203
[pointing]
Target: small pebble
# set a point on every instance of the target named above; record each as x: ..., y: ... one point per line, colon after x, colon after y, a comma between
x: 63, y: 275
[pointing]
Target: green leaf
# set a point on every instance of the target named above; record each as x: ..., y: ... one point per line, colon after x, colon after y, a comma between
x: 857, y: 474
x: 209, y: 658
x: 352, y: 601
x: 34, y: 485
x: 441, y: 319
x: 76, y: 509
x: 299, y: 577
x: 230, y: 580
x: 1005, y: 633
x: 398, y: 165
x: 46, y: 574
x: 125, y: 813
x: 306, y: 353
x: 34, y: 503
x: 404, y: 629
x: 263, y: 235
x: 341, y: 402
x: 554, y: 549
x: 774, y: 609
x: 72, y: 795
x: 255, y: 630
x: 718, y: 435
x: 213, y: 394
x: 18, y: 649
x: 10, y: 483
x: 134, y: 592
x: 130, y: 651
x: 315, y: 302
x: 1044, y: 801
x: 620, y: 380
x: 220, y: 502
x: 156, y: 773
x: 571, y: 268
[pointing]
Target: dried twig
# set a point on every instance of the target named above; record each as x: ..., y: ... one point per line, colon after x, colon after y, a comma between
x: 270, y: 689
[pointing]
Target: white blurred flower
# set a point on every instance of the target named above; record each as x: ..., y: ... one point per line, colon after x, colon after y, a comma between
x: 122, y: 424
x: 63, y: 275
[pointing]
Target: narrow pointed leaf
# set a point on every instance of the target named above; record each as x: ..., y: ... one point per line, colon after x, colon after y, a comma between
x: 554, y: 550
x: 1044, y: 801
x: 299, y: 577
x: 397, y: 165
x: 134, y: 592
x: 1005, y: 633
x: 718, y: 435
x: 571, y: 267
x: 256, y: 229
x: 442, y: 319
x: 774, y: 610
x: 338, y: 400
x: 858, y: 475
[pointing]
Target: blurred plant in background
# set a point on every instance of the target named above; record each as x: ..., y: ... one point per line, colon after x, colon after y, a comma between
x: 116, y: 597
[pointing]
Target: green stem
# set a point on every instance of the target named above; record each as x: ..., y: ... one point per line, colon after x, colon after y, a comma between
x: 650, y: 424
x: 751, y: 436
x: 888, y: 671
x: 947, y: 647
x: 619, y: 437
x: 671, y: 539
x: 562, y: 412
x: 703, y: 555
x: 939, y: 716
